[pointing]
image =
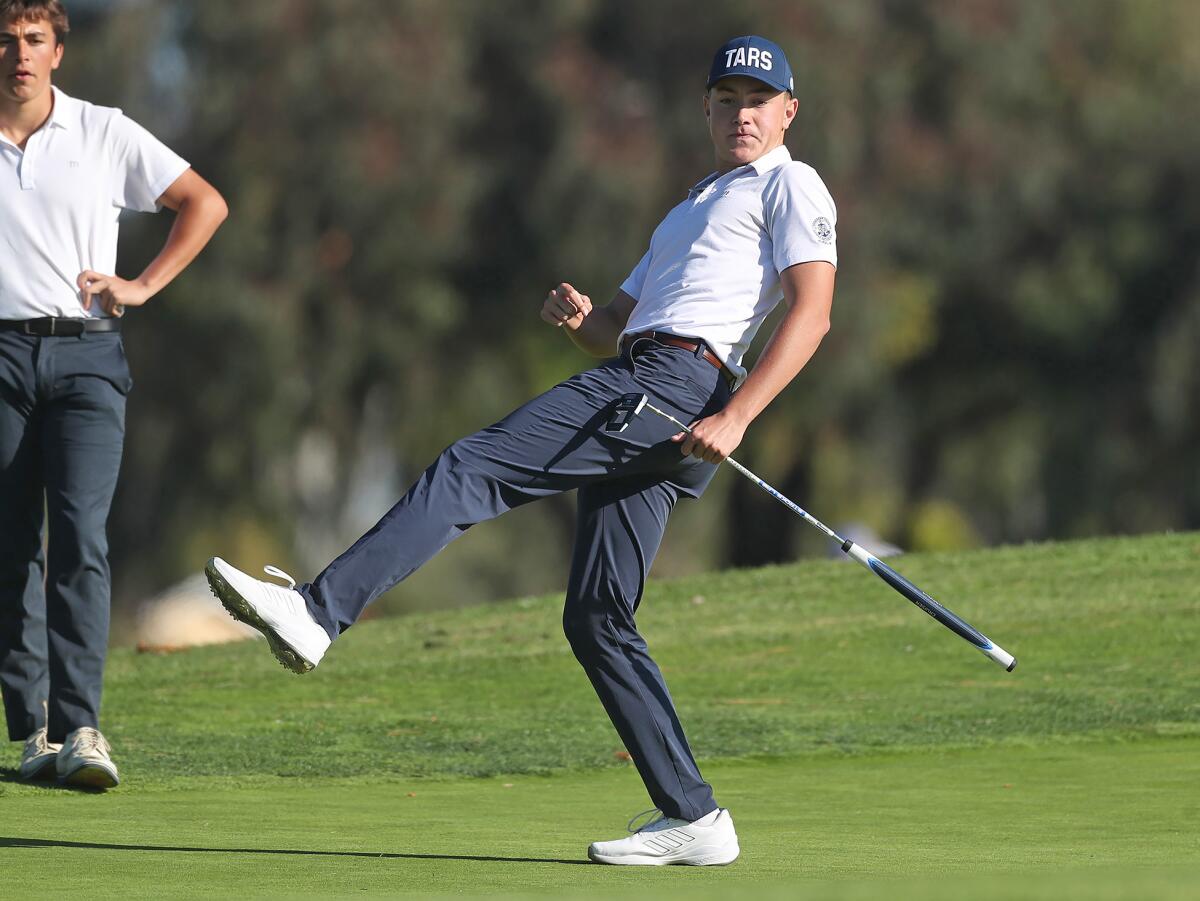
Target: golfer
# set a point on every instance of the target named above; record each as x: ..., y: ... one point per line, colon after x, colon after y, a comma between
x: 67, y: 169
x: 757, y: 230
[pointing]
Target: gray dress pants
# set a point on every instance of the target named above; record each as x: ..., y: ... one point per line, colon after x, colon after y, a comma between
x: 62, y: 428
x: 626, y: 485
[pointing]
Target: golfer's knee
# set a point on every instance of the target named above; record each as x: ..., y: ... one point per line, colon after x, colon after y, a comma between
x: 584, y: 630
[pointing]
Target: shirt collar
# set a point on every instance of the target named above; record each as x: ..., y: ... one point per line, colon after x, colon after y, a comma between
x: 703, y: 183
x: 765, y: 163
x: 64, y: 108
x: 772, y: 160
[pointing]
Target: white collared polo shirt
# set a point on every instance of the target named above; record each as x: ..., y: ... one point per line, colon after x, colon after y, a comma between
x: 60, y: 199
x: 712, y: 270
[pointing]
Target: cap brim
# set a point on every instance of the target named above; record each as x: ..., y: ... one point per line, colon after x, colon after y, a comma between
x: 747, y: 73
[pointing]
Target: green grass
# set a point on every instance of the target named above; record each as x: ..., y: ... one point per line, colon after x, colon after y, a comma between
x: 862, y: 748
x: 940, y: 818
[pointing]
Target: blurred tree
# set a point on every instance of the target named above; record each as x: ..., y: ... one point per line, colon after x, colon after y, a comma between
x: 1016, y: 330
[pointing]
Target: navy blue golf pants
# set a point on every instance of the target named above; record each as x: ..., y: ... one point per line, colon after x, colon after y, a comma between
x: 62, y: 428
x: 626, y: 485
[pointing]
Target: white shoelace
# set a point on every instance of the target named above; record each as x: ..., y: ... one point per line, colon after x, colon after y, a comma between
x: 280, y: 574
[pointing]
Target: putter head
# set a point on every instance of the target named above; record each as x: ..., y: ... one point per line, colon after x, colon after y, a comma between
x: 629, y: 406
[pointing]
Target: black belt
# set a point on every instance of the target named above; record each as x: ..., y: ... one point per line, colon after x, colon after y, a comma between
x: 692, y: 344
x: 51, y: 327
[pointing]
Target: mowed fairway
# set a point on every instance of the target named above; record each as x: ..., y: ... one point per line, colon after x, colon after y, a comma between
x: 864, y: 751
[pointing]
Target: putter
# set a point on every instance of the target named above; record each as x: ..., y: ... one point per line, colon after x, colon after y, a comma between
x: 632, y: 404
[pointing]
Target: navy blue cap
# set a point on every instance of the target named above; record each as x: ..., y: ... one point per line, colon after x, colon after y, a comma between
x: 754, y: 57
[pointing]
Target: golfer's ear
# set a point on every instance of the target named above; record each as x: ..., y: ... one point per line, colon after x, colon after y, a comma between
x: 793, y: 105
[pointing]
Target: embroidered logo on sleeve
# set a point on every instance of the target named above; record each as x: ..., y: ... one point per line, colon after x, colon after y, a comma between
x: 823, y: 230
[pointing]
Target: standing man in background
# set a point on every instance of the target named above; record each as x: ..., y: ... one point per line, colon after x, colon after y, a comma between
x: 67, y: 169
x: 758, y: 230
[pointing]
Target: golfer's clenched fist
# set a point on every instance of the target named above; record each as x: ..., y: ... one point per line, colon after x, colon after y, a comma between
x: 566, y: 307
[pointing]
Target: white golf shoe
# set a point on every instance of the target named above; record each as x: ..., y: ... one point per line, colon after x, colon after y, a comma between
x: 281, y: 614
x: 709, y: 841
x: 38, y: 757
x: 84, y: 760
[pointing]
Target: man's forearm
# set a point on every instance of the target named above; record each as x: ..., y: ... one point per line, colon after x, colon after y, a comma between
x: 597, y: 334
x: 196, y: 221
x: 788, y: 351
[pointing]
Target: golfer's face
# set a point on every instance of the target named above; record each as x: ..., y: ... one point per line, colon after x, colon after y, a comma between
x: 746, y: 119
x: 29, y: 52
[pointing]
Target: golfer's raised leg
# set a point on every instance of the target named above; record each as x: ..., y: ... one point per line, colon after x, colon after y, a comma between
x: 551, y: 444
x: 557, y: 442
x: 450, y: 495
x: 468, y: 483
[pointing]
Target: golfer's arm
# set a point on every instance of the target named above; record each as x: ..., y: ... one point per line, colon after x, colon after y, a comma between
x: 199, y: 210
x: 597, y: 334
x: 808, y: 293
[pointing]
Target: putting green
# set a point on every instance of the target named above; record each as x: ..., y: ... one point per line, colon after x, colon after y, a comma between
x: 1086, y: 820
x: 863, y: 749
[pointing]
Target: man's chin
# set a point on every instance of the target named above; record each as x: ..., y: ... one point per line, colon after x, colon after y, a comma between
x: 19, y: 93
x: 740, y: 156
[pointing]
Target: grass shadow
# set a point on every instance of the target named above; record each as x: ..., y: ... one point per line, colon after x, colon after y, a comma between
x: 32, y: 843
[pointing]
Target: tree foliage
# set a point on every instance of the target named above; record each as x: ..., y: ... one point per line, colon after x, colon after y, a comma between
x: 1017, y: 322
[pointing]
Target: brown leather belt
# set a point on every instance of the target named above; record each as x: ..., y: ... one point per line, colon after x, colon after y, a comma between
x: 51, y: 327
x: 692, y: 344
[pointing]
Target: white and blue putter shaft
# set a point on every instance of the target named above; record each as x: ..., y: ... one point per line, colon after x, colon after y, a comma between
x: 950, y: 620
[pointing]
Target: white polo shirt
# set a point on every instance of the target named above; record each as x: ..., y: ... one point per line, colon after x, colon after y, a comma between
x: 712, y: 270
x: 60, y: 199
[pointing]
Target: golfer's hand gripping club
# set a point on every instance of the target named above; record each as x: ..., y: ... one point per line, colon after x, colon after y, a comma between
x: 632, y: 404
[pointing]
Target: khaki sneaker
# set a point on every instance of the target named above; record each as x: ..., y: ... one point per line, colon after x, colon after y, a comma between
x: 37, y: 760
x: 84, y: 760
